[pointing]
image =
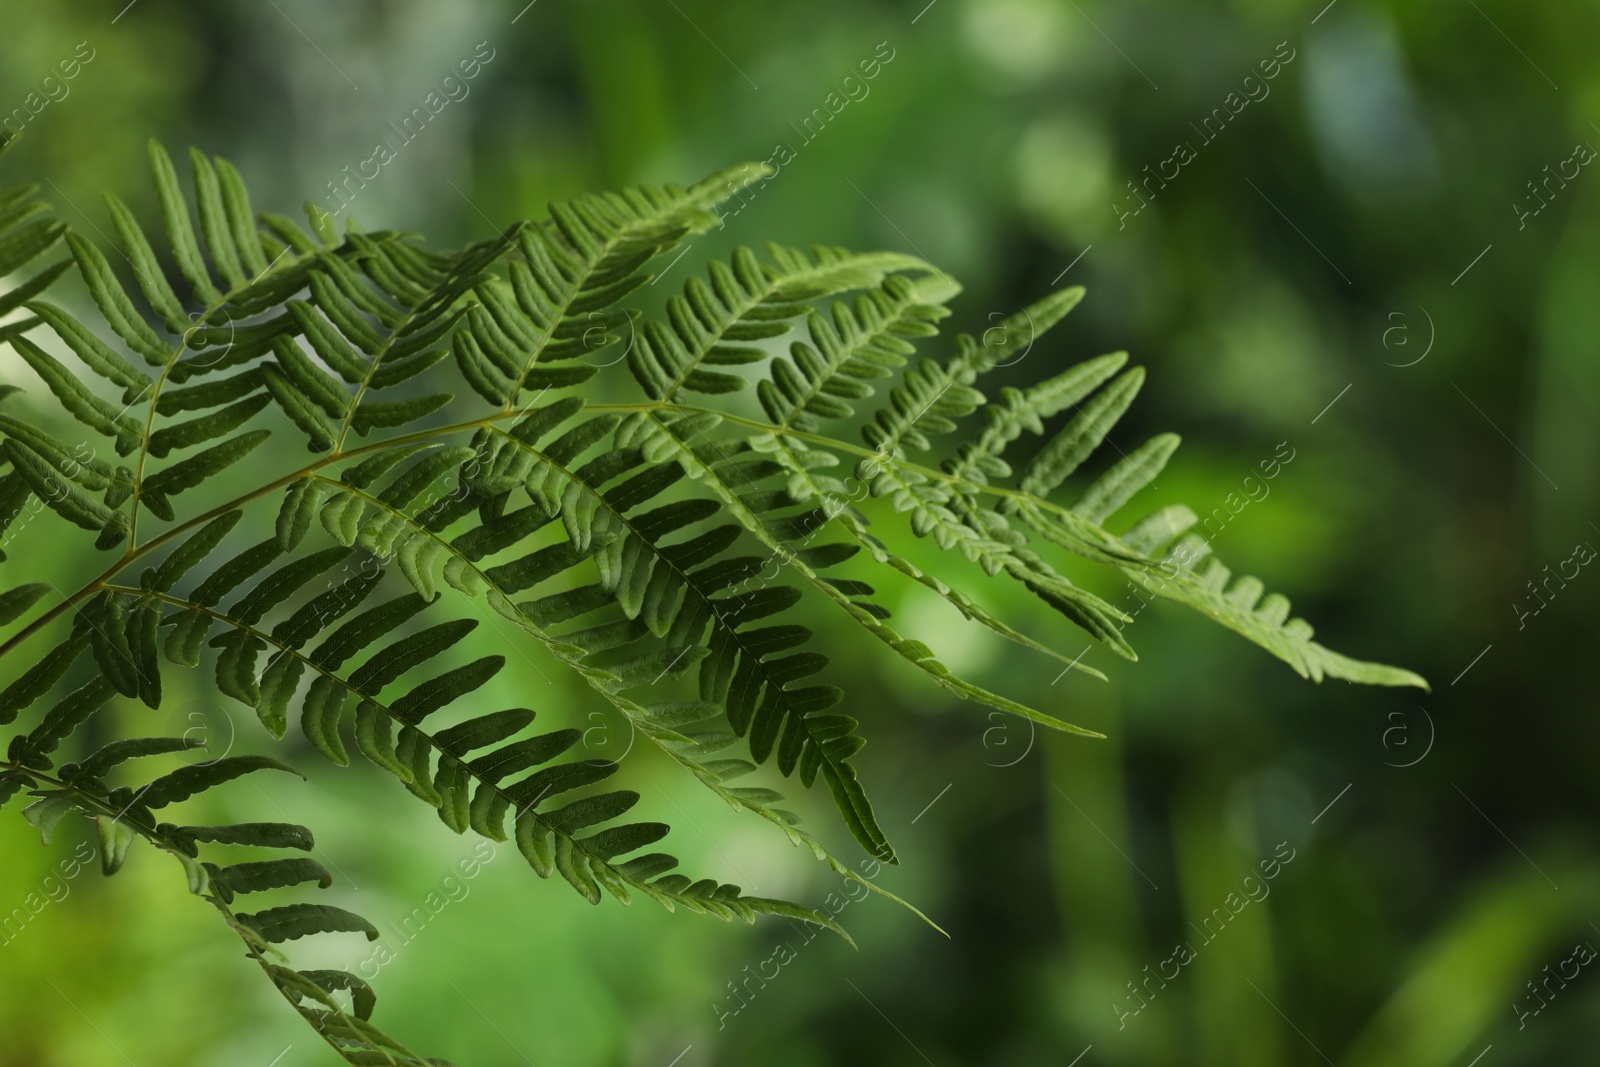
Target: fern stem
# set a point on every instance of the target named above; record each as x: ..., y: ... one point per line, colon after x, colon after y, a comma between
x: 144, y: 441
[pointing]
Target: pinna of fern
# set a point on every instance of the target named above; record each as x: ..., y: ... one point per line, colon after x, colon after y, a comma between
x: 659, y: 547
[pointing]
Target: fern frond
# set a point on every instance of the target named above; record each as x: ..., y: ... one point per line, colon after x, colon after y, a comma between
x: 122, y: 816
x: 750, y: 301
x: 642, y: 544
x: 469, y: 793
x: 857, y: 345
x: 26, y: 234
x: 932, y: 396
x: 1188, y: 573
x: 746, y: 501
x: 573, y: 272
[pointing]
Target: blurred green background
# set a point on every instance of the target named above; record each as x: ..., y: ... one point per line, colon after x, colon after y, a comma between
x: 1320, y: 249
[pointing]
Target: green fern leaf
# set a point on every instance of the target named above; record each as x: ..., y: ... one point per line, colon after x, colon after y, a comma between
x: 114, y: 304
x: 263, y: 834
x: 23, y: 244
x: 48, y: 484
x: 146, y: 267
x: 38, y: 680
x: 83, y: 405
x: 15, y: 602
x: 192, y: 472
x: 185, y: 782
x: 180, y: 231
x: 94, y: 353
x: 1062, y: 455
x: 112, y: 755
x: 293, y: 921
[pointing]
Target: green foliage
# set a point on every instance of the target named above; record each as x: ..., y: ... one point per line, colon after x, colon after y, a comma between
x: 642, y: 544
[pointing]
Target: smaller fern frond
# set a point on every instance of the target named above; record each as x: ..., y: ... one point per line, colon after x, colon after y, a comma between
x: 575, y: 269
x: 122, y: 816
x: 469, y: 791
x: 748, y: 301
x: 1187, y: 572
